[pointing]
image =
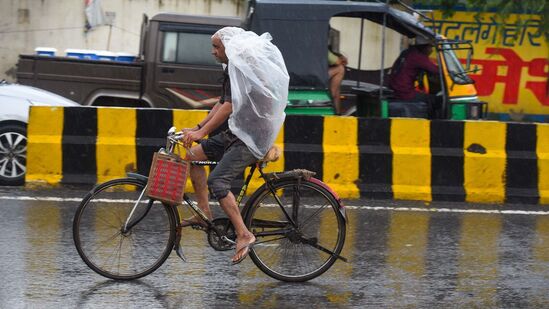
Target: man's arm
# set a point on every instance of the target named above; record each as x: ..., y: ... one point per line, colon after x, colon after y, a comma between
x: 214, y: 120
x: 222, y: 113
x: 205, y: 120
x: 210, y: 115
x: 425, y: 64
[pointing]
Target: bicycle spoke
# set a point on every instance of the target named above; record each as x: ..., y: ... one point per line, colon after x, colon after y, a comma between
x: 111, y: 256
x: 119, y: 252
x: 108, y: 224
x: 103, y: 243
x: 314, y: 214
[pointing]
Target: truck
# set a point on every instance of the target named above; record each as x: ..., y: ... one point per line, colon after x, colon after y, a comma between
x: 174, y: 67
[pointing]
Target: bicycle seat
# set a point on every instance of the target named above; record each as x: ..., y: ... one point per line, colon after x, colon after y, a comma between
x: 272, y: 155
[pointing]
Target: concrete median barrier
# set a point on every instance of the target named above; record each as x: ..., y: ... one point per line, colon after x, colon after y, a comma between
x: 474, y: 161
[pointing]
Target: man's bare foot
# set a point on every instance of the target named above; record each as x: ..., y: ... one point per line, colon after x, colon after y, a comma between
x: 243, y: 245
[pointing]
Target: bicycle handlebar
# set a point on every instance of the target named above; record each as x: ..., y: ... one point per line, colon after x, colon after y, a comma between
x: 173, y: 137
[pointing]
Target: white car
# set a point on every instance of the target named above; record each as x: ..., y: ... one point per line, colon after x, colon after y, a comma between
x: 14, y: 114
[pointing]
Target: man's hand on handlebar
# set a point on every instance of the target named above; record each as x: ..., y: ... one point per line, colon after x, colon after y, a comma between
x: 191, y: 136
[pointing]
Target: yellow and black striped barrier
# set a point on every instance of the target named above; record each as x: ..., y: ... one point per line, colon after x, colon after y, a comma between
x: 474, y: 161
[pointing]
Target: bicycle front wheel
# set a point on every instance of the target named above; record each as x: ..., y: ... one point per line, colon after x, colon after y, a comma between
x: 299, y: 230
x: 113, y: 245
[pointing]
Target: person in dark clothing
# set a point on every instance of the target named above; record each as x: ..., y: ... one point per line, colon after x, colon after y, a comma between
x: 406, y: 70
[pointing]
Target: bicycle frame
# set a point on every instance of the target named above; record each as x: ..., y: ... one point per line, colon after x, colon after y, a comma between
x: 254, y: 167
x: 127, y: 225
x: 258, y: 166
x: 173, y: 141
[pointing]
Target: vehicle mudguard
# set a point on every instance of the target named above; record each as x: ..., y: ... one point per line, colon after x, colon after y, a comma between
x: 143, y: 178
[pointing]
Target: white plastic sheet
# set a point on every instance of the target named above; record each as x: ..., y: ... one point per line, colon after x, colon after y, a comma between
x: 259, y: 87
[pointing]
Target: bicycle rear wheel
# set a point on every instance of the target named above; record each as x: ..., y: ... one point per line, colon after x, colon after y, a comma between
x: 297, y: 252
x: 99, y: 236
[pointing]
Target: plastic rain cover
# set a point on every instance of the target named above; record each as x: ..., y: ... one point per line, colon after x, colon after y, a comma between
x: 259, y: 87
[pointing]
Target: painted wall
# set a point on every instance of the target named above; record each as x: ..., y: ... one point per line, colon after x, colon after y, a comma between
x: 27, y: 24
x: 514, y: 63
x: 411, y: 159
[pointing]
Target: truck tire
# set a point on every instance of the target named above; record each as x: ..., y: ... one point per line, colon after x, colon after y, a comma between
x: 13, y: 154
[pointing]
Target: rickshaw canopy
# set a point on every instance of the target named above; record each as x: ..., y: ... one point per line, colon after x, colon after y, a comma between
x: 300, y: 30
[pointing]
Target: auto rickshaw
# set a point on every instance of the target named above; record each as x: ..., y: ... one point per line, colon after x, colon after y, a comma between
x: 301, y: 31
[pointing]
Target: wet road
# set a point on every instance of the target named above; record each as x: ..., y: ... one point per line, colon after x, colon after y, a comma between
x: 452, y: 256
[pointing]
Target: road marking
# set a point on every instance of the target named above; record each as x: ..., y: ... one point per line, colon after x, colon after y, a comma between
x: 41, y: 198
x: 374, y: 208
x: 478, y: 211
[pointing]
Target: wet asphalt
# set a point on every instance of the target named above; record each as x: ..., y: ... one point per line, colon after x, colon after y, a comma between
x: 400, y: 255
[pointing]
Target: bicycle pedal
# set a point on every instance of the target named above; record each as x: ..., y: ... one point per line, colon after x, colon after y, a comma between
x: 228, y: 240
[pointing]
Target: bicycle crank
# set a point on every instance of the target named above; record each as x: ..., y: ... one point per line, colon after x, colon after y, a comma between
x: 221, y: 235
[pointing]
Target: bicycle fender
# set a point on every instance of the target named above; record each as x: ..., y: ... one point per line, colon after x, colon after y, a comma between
x: 138, y: 177
x: 294, y: 174
x: 333, y: 193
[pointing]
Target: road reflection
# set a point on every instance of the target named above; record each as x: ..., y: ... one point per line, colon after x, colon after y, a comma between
x: 396, y: 259
x: 133, y: 294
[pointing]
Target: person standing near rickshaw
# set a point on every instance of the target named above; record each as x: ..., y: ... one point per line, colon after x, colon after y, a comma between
x: 336, y: 71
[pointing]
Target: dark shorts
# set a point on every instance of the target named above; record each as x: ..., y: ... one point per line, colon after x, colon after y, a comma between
x: 233, y: 157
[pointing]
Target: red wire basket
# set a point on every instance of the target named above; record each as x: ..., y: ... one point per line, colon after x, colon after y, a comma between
x: 167, y: 178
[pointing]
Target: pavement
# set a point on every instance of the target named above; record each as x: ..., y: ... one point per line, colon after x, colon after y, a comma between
x: 401, y: 254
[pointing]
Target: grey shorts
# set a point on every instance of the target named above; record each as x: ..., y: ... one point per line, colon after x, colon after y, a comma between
x: 232, y: 155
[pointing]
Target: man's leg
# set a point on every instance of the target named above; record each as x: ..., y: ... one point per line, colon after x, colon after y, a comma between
x: 336, y: 73
x: 243, y: 236
x: 233, y: 163
x: 198, y: 179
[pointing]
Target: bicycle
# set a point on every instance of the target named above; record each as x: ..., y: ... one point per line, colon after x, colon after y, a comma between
x: 299, y: 223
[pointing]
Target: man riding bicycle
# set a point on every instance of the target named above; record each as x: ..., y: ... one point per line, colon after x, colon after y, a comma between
x: 250, y: 114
